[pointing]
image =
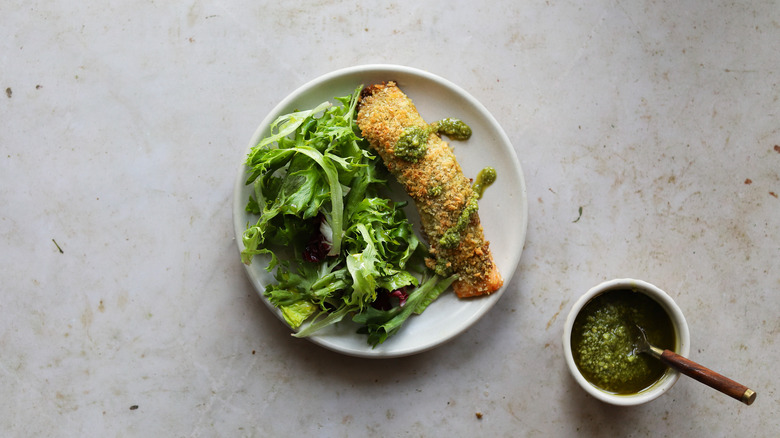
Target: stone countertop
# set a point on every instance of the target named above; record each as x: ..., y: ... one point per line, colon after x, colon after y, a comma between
x: 127, y: 312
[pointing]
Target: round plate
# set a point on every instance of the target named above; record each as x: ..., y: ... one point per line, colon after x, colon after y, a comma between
x: 502, y: 209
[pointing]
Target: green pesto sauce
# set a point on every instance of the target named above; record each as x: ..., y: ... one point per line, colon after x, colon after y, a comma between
x: 412, y: 144
x: 442, y: 269
x: 452, y: 236
x: 485, y: 178
x: 453, y: 128
x: 604, y: 341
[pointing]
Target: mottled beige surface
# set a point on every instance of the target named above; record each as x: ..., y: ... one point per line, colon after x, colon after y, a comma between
x: 123, y: 126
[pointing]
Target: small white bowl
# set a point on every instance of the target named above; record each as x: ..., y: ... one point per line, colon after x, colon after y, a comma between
x: 682, y: 346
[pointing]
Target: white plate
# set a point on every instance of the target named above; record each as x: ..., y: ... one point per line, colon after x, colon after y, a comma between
x: 502, y: 210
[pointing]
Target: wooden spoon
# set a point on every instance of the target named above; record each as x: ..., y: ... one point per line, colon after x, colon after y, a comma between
x: 698, y: 372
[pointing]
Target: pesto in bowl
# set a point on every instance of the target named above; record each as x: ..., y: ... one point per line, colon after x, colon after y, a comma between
x: 604, y: 341
x: 598, y: 341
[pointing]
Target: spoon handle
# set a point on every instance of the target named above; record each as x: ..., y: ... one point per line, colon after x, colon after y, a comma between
x: 709, y: 377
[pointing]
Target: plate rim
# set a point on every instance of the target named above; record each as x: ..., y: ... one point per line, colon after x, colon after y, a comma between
x: 387, y: 69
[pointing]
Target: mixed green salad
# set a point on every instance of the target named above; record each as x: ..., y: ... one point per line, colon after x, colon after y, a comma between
x: 338, y: 247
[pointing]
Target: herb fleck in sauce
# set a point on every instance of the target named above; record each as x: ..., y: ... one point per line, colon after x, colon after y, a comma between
x: 604, y: 340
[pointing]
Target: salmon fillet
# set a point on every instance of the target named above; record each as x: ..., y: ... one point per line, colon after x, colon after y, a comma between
x: 435, y: 182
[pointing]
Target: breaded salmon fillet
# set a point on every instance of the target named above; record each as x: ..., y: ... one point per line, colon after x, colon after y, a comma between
x: 434, y: 180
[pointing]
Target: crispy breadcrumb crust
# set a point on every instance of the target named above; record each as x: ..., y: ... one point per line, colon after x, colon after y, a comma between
x: 436, y: 184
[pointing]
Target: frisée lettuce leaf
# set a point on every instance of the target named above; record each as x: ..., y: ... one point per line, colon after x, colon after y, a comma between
x: 338, y: 248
